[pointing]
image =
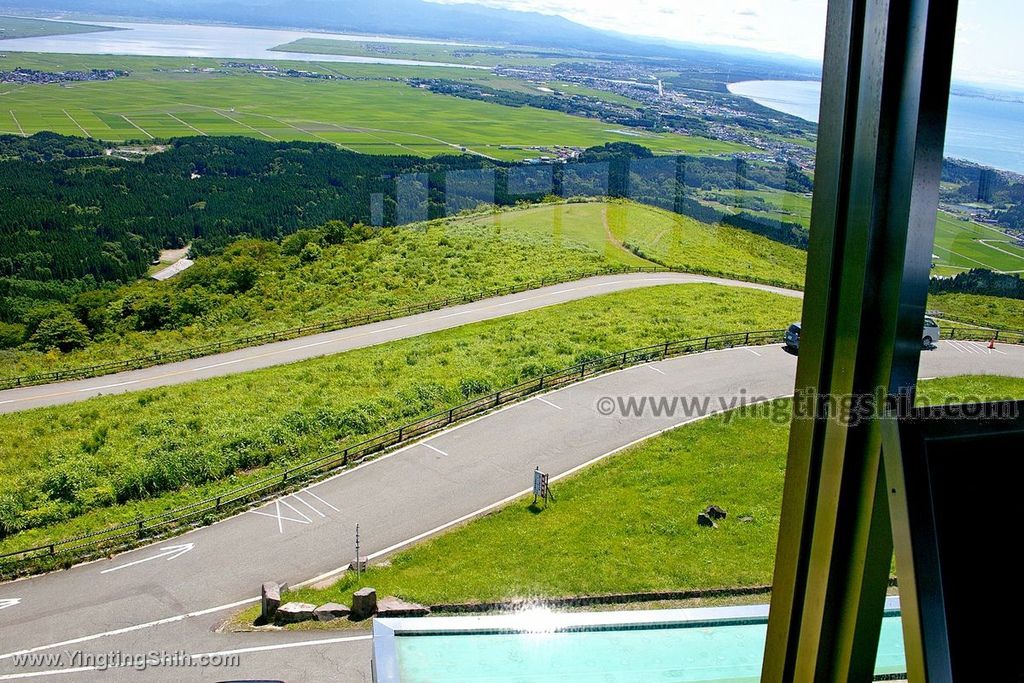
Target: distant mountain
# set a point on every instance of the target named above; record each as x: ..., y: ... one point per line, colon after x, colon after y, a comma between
x: 416, y: 18
x: 391, y: 17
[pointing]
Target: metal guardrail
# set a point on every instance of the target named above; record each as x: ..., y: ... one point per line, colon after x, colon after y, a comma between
x: 127, y: 535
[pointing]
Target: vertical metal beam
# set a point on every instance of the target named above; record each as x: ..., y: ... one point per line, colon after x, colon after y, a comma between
x: 884, y: 96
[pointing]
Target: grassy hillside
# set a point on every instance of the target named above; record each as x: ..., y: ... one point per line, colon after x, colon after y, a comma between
x: 628, y: 523
x: 682, y: 242
x: 80, y: 467
x: 289, y: 286
x: 990, y: 311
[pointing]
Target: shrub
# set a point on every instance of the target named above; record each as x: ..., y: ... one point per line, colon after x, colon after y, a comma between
x: 63, y: 332
x: 11, y: 335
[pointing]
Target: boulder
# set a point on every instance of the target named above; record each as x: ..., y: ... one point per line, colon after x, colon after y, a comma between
x: 715, y: 512
x: 331, y: 611
x: 364, y: 603
x: 703, y: 519
x: 294, y: 612
x: 270, y: 600
x: 396, y: 607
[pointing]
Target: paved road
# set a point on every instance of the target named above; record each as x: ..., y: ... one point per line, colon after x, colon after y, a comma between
x: 328, y: 343
x: 132, y: 603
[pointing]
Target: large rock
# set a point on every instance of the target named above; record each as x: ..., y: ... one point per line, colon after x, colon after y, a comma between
x: 715, y: 512
x: 364, y: 603
x: 331, y: 611
x: 703, y: 519
x: 294, y: 612
x: 270, y: 600
x: 396, y: 607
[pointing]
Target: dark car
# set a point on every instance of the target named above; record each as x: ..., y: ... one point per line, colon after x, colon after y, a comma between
x: 793, y: 337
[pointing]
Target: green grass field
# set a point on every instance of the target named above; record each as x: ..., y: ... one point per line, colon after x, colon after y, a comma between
x: 961, y: 245
x: 424, y: 52
x: 81, y: 467
x: 628, y: 523
x: 975, y: 309
x: 682, y: 242
x: 21, y: 27
x: 374, y: 113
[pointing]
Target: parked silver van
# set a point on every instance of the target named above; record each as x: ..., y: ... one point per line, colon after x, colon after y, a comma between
x: 929, y: 335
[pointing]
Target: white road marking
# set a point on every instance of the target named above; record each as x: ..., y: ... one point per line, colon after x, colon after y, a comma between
x: 322, y: 500
x: 198, y: 657
x: 279, y: 517
x: 436, y: 450
x: 544, y: 400
x: 657, y: 370
x: 754, y: 352
x: 296, y: 497
x: 297, y: 511
x: 9, y: 602
x: 171, y: 552
x: 109, y: 386
x: 131, y: 629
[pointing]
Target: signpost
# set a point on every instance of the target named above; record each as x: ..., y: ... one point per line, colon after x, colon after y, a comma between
x: 541, y: 489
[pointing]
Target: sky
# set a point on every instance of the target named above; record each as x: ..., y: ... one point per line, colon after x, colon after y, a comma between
x: 988, y: 31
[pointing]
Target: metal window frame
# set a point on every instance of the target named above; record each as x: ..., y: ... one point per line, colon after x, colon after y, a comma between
x: 885, y: 94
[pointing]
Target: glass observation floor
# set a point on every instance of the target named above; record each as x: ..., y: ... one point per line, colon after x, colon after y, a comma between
x: 683, y: 645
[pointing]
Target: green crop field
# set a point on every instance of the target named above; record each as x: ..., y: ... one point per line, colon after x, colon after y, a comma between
x: 961, y: 245
x: 424, y: 52
x: 20, y: 27
x: 80, y: 467
x: 373, y: 112
x: 640, y: 503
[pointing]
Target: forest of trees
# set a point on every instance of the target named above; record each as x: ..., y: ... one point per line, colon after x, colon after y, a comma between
x: 77, y: 222
x: 981, y: 281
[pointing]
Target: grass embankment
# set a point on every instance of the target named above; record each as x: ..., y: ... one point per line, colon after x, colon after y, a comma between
x: 398, y: 267
x: 628, y: 523
x: 82, y: 467
x: 975, y: 309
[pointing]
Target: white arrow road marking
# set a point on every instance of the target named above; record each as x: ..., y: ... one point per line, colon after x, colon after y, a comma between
x: 9, y: 602
x: 171, y: 552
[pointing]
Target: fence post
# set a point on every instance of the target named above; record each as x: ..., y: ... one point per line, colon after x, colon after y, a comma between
x: 706, y: 341
x: 218, y: 503
x: 497, y: 399
x: 451, y: 415
x: 540, y: 385
x: 664, y: 353
x: 344, y: 457
x: 746, y: 339
x: 400, y: 430
x: 583, y: 369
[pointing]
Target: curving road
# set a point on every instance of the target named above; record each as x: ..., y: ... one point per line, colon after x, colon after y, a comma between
x: 279, y: 353
x: 156, y: 600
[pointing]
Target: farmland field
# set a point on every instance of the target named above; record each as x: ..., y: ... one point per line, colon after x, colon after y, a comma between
x: 372, y: 111
x: 19, y: 27
x: 961, y: 245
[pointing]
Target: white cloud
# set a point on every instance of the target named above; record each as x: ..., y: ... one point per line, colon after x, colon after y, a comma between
x: 988, y: 30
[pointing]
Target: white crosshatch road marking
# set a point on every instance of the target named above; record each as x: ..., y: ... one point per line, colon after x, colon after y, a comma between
x: 9, y: 602
x: 294, y: 513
